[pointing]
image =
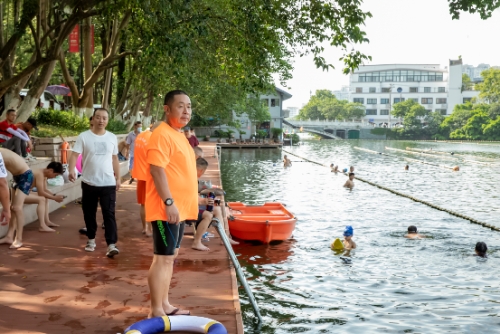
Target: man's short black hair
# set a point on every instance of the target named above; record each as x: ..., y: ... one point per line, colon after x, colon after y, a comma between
x: 170, y: 96
x: 351, y: 174
x: 57, y: 167
x: 11, y: 110
x: 32, y: 121
x: 99, y: 109
x: 138, y: 122
x: 201, y: 163
x: 412, y: 229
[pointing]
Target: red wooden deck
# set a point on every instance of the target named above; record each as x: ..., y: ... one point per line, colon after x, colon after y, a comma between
x: 51, y: 285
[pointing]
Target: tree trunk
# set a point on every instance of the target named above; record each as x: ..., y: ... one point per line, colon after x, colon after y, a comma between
x: 149, y: 103
x: 87, y: 98
x: 33, y: 95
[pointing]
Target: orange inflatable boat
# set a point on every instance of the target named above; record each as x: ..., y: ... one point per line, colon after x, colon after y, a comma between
x: 268, y: 222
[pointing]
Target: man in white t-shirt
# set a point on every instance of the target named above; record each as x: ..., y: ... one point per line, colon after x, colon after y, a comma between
x: 100, y: 179
x: 4, y: 193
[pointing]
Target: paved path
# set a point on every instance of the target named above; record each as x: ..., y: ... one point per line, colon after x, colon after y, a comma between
x: 51, y: 285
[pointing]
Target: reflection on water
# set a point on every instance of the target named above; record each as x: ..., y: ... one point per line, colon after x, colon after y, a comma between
x: 391, y: 284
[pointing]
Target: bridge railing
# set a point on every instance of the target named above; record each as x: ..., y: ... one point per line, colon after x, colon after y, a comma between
x: 330, y: 123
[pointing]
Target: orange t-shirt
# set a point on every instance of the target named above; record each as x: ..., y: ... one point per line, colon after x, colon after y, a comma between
x: 170, y: 150
x: 140, y: 170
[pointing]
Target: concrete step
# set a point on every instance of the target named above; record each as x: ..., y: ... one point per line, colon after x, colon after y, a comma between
x: 73, y: 191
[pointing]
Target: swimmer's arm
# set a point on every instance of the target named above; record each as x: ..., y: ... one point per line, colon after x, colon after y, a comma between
x: 353, y: 245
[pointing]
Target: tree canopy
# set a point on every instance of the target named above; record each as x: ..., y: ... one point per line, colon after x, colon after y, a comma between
x: 324, y: 105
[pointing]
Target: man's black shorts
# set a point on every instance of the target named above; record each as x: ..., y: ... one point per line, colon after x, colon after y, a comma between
x: 167, y: 237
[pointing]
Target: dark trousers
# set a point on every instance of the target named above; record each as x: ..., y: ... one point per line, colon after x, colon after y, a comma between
x: 17, y: 145
x: 106, y: 196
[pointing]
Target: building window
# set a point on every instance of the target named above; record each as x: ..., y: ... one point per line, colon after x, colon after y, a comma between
x: 413, y: 89
x: 397, y: 99
x: 265, y: 102
x: 400, y: 76
x: 386, y: 90
x: 358, y: 100
x: 371, y: 111
x: 426, y: 100
x: 441, y: 111
x: 371, y: 101
x: 427, y: 89
x: 275, y: 102
x: 441, y: 90
x: 384, y: 101
x: 441, y: 100
x: 384, y: 112
x: 373, y: 90
x: 359, y: 89
x: 467, y: 99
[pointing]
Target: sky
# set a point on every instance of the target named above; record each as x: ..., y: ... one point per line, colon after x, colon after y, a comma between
x: 404, y: 31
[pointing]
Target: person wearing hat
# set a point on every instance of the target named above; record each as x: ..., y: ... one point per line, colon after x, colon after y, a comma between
x: 193, y: 141
x: 348, y: 242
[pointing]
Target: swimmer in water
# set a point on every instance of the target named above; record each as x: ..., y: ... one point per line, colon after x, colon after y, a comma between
x: 350, y: 182
x: 481, y: 249
x: 412, y: 233
x: 348, y: 242
x: 407, y: 167
x: 336, y: 169
x: 456, y: 169
x: 332, y: 167
x: 351, y: 170
x: 287, y: 162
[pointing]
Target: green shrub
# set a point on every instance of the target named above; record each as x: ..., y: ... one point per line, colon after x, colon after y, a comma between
x: 276, y: 132
x: 116, y: 126
x: 62, y: 119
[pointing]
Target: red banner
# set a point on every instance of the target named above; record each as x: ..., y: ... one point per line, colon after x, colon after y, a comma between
x: 74, y: 40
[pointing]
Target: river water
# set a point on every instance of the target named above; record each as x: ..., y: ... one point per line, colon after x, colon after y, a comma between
x: 392, y: 285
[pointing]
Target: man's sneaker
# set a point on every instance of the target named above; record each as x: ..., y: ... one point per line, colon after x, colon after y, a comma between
x: 90, y: 245
x: 112, y: 251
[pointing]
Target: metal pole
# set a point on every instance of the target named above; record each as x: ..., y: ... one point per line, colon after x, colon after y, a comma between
x: 239, y: 272
x: 390, y: 105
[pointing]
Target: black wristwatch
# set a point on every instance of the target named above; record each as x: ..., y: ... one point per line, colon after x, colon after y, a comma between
x: 169, y: 201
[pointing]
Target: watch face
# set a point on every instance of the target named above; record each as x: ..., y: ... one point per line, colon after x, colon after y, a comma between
x: 169, y: 202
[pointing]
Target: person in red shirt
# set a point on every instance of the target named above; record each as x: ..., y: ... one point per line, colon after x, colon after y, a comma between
x: 5, y: 135
x: 193, y: 141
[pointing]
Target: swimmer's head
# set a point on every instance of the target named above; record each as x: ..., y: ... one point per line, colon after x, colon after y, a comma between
x: 407, y: 167
x: 456, y: 168
x: 481, y: 249
x: 351, y: 169
x: 331, y: 165
x: 351, y: 176
x: 285, y: 156
x: 349, y: 231
x: 412, y: 229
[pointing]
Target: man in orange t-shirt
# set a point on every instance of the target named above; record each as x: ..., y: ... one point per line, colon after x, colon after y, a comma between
x: 140, y: 172
x: 171, y: 196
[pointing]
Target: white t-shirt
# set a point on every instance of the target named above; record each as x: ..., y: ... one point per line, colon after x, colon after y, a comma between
x: 97, y: 157
x: 3, y: 169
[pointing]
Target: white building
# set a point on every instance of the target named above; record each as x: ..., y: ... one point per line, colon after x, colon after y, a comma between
x: 274, y: 100
x: 342, y: 94
x: 474, y: 73
x: 294, y: 111
x: 378, y: 87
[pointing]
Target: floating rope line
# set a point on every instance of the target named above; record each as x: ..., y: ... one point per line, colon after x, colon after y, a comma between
x: 453, y: 155
x: 491, y: 143
x: 409, y: 159
x: 437, y: 207
x: 417, y: 153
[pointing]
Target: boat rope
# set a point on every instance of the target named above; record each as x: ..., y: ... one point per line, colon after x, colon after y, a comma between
x: 454, y: 155
x: 434, y: 206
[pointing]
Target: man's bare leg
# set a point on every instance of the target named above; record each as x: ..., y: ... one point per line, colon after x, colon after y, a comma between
x: 47, y: 219
x: 17, y: 211
x: 202, y: 228
x: 146, y: 227
x: 167, y: 307
x: 9, y: 237
x: 218, y: 215
x: 41, y: 202
x: 159, y: 276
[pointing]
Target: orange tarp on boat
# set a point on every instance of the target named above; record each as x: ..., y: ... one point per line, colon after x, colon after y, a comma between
x: 268, y: 222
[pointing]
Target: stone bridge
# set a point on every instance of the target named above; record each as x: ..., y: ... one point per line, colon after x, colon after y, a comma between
x: 335, y: 129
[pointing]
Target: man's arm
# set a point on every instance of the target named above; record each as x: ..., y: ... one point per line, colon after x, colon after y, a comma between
x: 41, y: 188
x: 73, y: 156
x: 161, y: 185
x: 116, y: 170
